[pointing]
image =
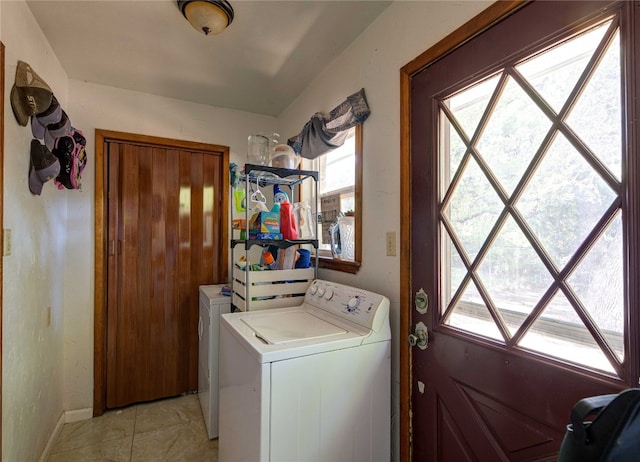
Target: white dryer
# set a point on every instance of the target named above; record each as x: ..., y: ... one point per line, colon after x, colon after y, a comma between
x: 212, y: 305
x: 307, y: 383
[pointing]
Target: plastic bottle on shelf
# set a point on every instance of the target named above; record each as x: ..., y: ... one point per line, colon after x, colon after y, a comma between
x: 279, y: 196
x: 269, y: 261
x: 304, y: 220
x: 286, y: 258
x: 304, y: 259
x: 287, y: 221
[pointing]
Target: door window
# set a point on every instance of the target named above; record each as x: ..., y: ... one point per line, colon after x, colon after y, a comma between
x: 531, y: 208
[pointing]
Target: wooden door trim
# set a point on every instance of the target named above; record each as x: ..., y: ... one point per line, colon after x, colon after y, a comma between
x: 100, y: 238
x: 487, y: 18
x: 1, y: 213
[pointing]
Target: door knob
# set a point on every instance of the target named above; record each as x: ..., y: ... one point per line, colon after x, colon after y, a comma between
x: 420, y: 337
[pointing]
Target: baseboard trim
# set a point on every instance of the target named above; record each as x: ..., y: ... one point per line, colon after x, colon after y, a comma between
x: 78, y: 414
x: 53, y: 439
x: 66, y: 417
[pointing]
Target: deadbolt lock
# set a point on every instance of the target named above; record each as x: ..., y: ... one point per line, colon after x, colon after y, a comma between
x: 421, y: 301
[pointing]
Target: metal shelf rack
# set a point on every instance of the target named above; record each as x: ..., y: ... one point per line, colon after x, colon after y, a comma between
x: 259, y: 290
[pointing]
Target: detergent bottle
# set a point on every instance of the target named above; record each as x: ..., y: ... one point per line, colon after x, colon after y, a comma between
x: 287, y: 221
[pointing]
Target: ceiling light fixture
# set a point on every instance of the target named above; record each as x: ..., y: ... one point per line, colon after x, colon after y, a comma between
x: 207, y: 16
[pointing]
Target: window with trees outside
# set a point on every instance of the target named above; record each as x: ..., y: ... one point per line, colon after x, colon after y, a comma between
x: 531, y: 203
x: 339, y: 209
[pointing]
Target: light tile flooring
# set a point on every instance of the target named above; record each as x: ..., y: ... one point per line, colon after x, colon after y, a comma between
x: 168, y: 430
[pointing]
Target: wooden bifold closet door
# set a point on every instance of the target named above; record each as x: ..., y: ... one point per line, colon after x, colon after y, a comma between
x: 165, y: 238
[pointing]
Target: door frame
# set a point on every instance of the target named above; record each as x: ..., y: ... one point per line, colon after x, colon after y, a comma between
x: 101, y: 234
x: 1, y: 215
x: 487, y: 18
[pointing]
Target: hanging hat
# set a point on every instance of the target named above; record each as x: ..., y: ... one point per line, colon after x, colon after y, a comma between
x: 57, y: 130
x: 51, y: 115
x: 44, y: 167
x: 30, y: 95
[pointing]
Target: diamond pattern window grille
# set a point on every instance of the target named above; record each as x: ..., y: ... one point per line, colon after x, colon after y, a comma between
x: 531, y: 204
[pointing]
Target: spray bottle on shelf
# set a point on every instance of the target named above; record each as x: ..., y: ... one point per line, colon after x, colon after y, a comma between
x: 279, y: 196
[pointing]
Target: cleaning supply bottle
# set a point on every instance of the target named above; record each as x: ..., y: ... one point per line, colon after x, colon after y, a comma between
x: 269, y: 261
x: 287, y: 221
x: 286, y: 257
x: 279, y: 196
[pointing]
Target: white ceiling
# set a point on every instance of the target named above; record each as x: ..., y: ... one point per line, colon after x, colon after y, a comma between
x: 260, y: 64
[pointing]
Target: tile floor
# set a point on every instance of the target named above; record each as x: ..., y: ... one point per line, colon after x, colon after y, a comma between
x: 168, y: 430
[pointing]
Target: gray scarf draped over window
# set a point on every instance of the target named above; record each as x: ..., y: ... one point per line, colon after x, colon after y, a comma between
x: 324, y: 133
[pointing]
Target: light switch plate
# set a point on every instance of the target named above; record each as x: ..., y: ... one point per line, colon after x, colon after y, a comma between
x: 6, y: 242
x: 391, y: 243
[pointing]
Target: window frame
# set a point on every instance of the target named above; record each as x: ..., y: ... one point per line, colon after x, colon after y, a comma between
x: 348, y: 266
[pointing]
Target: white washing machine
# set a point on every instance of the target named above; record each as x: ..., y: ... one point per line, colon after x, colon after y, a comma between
x: 212, y: 305
x: 307, y: 383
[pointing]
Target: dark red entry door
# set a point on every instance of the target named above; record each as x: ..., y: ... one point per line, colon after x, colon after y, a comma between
x: 523, y: 232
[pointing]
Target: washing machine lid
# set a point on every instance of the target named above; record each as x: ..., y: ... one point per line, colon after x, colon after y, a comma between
x: 280, y: 328
x: 210, y: 295
x: 283, y: 333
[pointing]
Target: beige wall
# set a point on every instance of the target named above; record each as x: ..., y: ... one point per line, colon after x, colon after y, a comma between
x: 48, y: 370
x: 373, y: 62
x: 97, y: 106
x: 32, y: 360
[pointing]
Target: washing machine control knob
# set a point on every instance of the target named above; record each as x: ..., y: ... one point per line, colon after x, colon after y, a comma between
x: 329, y: 294
x: 353, y: 304
x: 321, y: 291
x: 313, y: 289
